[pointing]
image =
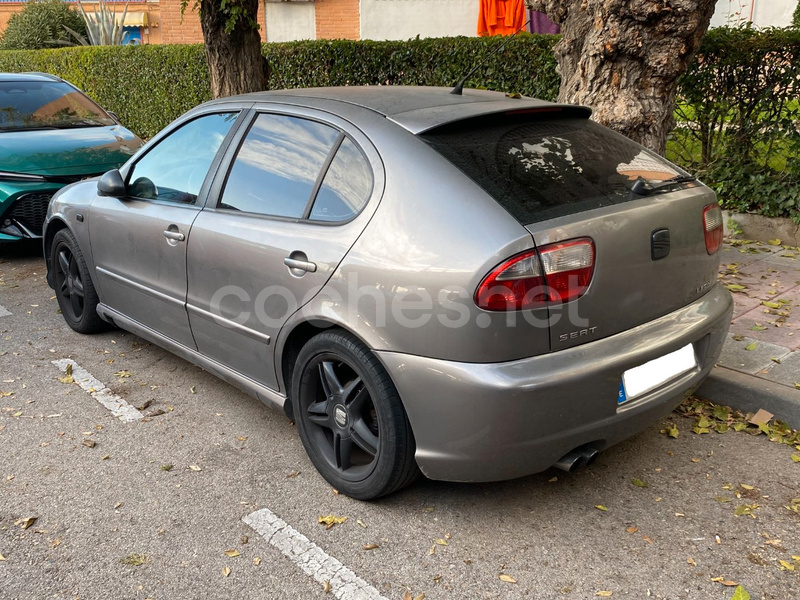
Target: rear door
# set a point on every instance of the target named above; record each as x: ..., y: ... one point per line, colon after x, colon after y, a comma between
x: 569, y: 178
x: 139, y: 241
x: 278, y: 221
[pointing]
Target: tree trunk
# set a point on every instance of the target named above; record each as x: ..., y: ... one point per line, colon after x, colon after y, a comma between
x: 235, y: 62
x: 624, y: 57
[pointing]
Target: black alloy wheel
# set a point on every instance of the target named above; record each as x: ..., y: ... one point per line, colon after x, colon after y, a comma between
x: 350, y: 417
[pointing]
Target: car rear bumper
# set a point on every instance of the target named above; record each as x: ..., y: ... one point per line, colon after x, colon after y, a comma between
x: 488, y: 422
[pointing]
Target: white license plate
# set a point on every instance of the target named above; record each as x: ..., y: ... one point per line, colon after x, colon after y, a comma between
x: 650, y: 375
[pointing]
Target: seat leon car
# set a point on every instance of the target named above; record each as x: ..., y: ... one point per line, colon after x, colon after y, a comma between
x: 474, y: 287
x: 51, y: 134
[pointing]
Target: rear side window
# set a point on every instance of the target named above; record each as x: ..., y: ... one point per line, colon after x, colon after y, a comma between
x: 539, y: 170
x: 277, y: 166
x: 346, y: 186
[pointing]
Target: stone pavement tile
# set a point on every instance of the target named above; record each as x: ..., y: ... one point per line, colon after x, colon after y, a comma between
x: 787, y: 372
x: 743, y: 255
x: 786, y: 334
x: 742, y: 303
x: 787, y: 260
x: 735, y: 356
x: 762, y: 280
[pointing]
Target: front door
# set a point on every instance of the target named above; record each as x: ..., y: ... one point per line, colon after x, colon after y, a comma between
x: 139, y: 241
x: 273, y: 232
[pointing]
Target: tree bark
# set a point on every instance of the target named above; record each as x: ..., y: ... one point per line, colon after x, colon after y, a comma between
x: 235, y: 62
x: 624, y: 57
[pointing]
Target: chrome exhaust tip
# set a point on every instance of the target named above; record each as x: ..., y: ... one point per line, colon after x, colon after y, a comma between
x: 569, y: 461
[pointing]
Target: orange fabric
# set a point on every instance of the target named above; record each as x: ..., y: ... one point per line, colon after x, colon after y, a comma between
x: 500, y: 17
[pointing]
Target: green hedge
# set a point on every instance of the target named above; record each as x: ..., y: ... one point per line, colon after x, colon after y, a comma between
x: 148, y: 86
x: 739, y: 113
x: 738, y: 103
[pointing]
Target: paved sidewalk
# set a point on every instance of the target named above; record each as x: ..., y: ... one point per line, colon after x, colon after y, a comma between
x: 762, y: 352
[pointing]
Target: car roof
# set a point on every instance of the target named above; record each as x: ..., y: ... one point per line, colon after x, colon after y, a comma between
x: 416, y: 108
x: 28, y: 77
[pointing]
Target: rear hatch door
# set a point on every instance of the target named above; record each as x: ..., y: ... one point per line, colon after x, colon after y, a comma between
x: 564, y: 178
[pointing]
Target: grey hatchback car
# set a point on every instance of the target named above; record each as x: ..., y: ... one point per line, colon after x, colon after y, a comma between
x: 473, y: 286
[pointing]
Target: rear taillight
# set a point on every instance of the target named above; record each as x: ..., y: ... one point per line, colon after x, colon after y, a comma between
x: 712, y: 226
x: 556, y: 273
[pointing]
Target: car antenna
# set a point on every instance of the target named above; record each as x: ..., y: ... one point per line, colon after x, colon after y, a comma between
x: 460, y: 85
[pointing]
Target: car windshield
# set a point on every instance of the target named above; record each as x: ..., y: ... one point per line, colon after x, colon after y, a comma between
x: 47, y: 105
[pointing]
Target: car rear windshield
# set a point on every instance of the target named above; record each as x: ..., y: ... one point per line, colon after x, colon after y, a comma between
x: 541, y: 169
x: 47, y: 105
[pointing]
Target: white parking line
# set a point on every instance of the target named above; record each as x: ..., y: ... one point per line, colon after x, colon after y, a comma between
x: 118, y: 407
x: 4, y: 312
x: 311, y: 559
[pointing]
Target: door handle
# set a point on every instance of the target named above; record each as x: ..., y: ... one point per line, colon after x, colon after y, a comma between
x: 301, y: 265
x: 176, y: 236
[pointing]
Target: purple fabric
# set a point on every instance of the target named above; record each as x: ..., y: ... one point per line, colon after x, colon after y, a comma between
x: 541, y: 24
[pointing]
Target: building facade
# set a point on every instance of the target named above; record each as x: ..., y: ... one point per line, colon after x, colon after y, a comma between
x: 161, y: 22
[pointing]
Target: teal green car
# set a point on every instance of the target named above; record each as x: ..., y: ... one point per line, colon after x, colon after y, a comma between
x: 51, y: 134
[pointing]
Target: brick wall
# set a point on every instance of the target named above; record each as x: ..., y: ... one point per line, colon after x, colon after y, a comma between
x: 173, y: 31
x: 6, y: 10
x: 338, y: 19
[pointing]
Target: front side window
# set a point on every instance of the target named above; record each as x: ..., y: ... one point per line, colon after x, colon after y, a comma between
x: 174, y: 170
x: 47, y: 105
x: 277, y: 166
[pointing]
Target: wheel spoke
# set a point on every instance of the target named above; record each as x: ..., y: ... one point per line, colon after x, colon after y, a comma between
x: 355, y: 401
x: 342, y: 450
x: 77, y: 309
x: 318, y: 413
x: 64, y: 288
x: 350, y: 390
x: 364, y: 438
x: 77, y: 287
x: 63, y: 261
x: 330, y: 381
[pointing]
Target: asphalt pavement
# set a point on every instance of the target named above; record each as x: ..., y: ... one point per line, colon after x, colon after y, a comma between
x: 96, y: 507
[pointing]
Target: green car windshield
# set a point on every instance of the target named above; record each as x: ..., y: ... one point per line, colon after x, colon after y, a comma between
x: 26, y: 105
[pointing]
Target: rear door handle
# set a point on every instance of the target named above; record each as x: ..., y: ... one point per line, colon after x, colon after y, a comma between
x: 302, y: 265
x: 174, y: 235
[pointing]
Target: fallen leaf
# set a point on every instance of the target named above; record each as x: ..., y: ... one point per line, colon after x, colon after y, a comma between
x: 5, y: 394
x: 723, y: 499
x: 601, y: 507
x: 293, y: 474
x: 745, y: 486
x: 89, y: 443
x: 639, y: 483
x: 122, y: 374
x: 647, y: 539
x: 695, y: 460
x: 28, y: 522
x: 166, y: 467
x: 507, y: 578
x: 757, y: 328
x: 330, y: 520
x: 134, y: 560
x: 671, y: 430
x: 232, y: 553
x: 736, y: 287
x: 3, y: 557
x: 632, y: 529
x: 360, y: 522
x: 786, y: 565
x: 257, y: 560
x: 740, y: 594
x: 441, y: 542
x: 795, y: 458
x: 195, y: 468
x: 370, y: 547
x: 775, y: 242
x: 326, y: 587
x: 226, y: 571
x: 604, y: 593
x: 691, y: 561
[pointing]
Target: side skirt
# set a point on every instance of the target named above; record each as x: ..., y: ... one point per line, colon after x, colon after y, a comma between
x: 266, y: 395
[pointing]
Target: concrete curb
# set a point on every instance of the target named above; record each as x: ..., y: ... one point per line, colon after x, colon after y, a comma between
x: 763, y: 229
x: 749, y: 393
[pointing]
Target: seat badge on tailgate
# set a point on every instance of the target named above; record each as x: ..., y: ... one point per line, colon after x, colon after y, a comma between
x: 574, y: 335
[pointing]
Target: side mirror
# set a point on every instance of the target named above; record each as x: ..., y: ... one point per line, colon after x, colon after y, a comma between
x: 111, y: 184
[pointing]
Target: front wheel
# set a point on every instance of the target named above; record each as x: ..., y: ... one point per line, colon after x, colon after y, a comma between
x: 75, y: 291
x: 350, y: 417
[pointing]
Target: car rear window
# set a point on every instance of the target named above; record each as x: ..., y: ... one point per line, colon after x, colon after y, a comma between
x: 541, y: 169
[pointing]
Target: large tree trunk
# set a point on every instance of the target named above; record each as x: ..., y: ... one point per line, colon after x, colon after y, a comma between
x: 235, y: 62
x: 623, y: 58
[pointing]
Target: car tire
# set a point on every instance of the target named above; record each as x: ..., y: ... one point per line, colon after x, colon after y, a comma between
x: 350, y: 417
x: 75, y: 291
